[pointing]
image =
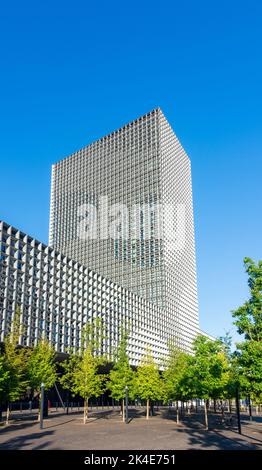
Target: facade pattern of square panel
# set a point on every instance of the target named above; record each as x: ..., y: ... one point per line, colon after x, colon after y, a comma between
x: 123, y: 166
x: 58, y: 296
x: 180, y: 265
x: 141, y: 163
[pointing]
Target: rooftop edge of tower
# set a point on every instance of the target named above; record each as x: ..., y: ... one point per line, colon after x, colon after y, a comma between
x: 156, y: 111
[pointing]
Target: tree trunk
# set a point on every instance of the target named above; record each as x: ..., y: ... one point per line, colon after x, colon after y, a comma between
x: 123, y: 410
x: 222, y: 410
x: 230, y: 406
x: 177, y: 413
x: 206, y: 416
x: 85, y: 410
x: 67, y: 402
x: 250, y: 408
x: 215, y: 406
x: 147, y: 408
x: 7, y: 413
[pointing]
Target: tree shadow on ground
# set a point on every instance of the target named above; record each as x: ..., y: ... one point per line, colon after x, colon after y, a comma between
x: 23, y: 441
x: 115, y: 414
x: 103, y: 414
x: 59, y: 424
x: 99, y: 415
x: 192, y: 420
x: 249, y: 428
x: 204, y: 440
x: 138, y: 414
x: 193, y: 424
x: 17, y: 426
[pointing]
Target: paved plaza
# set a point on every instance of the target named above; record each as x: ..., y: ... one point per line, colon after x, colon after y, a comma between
x: 105, y: 430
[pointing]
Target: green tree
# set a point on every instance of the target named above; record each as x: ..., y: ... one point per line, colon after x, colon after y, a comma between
x: 148, y: 381
x: 4, y: 373
x: 174, y: 370
x: 92, y: 337
x: 81, y: 370
x: 207, y: 373
x: 4, y: 379
x: 248, y: 320
x: 15, y: 360
x: 231, y: 386
x: 122, y: 375
x: 42, y: 368
x: 69, y: 365
x: 82, y: 377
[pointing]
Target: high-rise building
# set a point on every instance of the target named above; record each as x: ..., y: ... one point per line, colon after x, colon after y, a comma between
x: 122, y: 206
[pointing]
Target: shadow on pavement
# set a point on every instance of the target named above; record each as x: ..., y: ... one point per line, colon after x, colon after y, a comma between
x: 202, y: 439
x: 26, y: 440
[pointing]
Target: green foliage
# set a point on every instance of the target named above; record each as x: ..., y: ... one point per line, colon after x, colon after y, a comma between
x: 122, y: 374
x: 207, y: 373
x: 4, y: 375
x: 69, y: 366
x: 41, y: 366
x: 148, y: 380
x: 175, y: 368
x: 248, y: 319
x: 232, y: 367
x: 92, y: 337
x: 227, y: 345
x: 15, y: 361
x: 81, y: 369
x: 249, y: 361
x: 249, y: 316
x: 81, y: 375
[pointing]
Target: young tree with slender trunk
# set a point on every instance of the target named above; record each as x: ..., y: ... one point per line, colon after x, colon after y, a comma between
x: 4, y: 380
x: 148, y: 381
x: 174, y: 369
x: 82, y: 377
x: 42, y: 368
x: 15, y: 360
x: 122, y: 375
x: 207, y: 373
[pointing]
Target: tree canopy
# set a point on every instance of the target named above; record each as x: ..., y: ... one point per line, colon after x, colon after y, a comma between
x: 248, y: 320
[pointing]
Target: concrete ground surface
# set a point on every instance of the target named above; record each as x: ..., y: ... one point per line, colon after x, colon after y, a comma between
x: 105, y: 430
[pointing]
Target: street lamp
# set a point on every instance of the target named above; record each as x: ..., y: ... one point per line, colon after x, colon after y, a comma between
x: 238, y: 411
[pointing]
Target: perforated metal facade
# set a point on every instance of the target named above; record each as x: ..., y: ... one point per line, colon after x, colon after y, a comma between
x: 58, y: 296
x: 141, y: 163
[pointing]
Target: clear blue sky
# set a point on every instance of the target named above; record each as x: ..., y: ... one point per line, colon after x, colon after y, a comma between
x: 74, y: 71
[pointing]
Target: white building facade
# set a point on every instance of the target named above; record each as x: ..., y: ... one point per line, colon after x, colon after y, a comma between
x: 57, y: 297
x: 141, y: 166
